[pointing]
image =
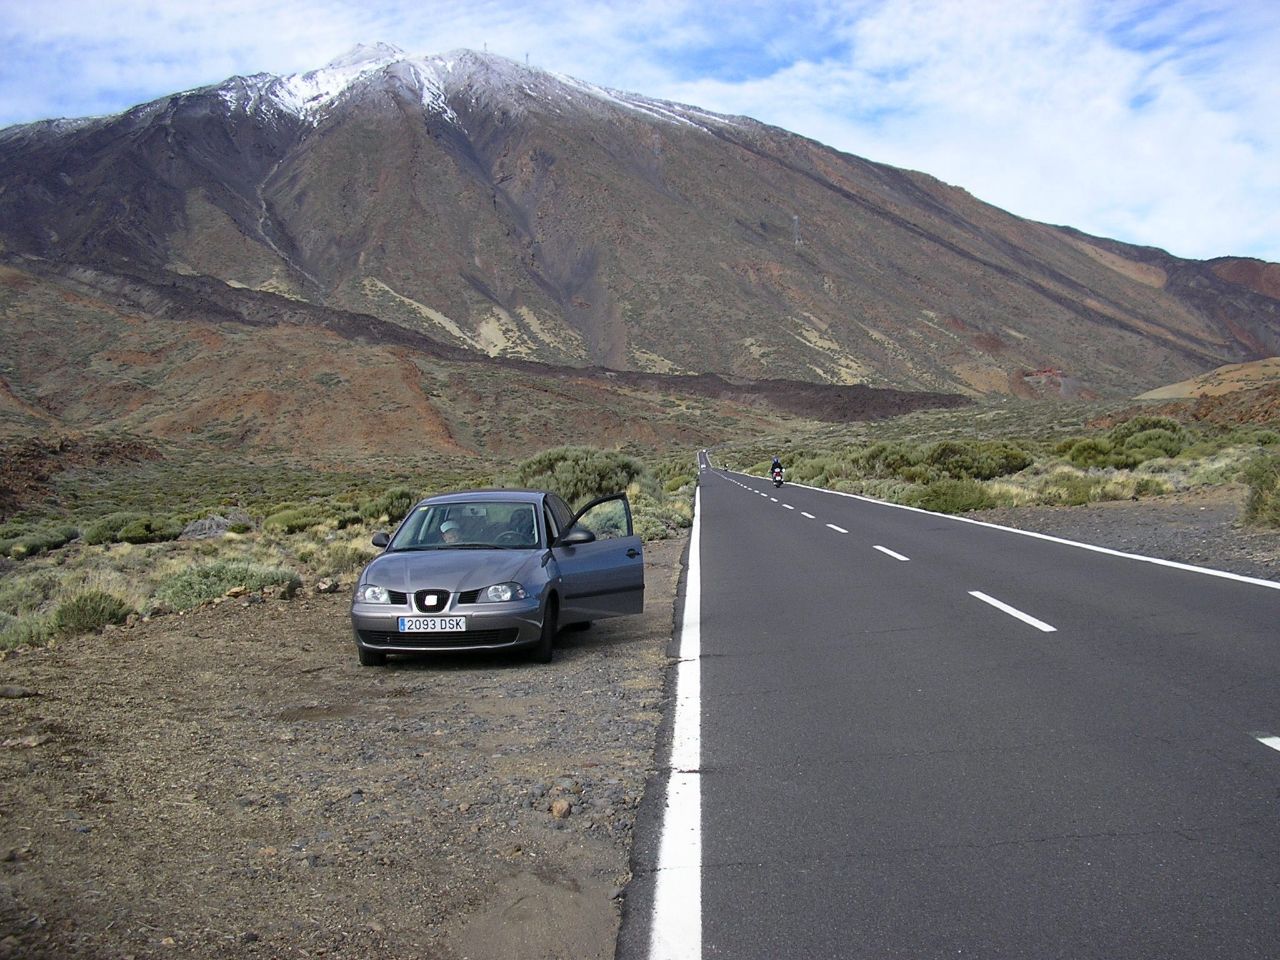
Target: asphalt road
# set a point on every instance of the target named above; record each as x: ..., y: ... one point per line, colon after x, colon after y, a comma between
x: 926, y: 738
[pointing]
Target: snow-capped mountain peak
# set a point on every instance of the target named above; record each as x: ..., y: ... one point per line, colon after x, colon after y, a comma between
x: 305, y: 94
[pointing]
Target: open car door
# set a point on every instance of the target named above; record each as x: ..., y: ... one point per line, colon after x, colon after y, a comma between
x: 601, y: 562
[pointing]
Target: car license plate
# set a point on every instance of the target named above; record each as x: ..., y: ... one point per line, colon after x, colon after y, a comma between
x: 433, y: 624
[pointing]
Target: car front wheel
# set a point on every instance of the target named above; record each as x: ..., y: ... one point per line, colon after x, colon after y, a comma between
x: 371, y: 658
x: 543, y: 649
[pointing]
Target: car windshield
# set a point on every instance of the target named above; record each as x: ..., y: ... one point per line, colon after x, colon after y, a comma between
x: 470, y: 525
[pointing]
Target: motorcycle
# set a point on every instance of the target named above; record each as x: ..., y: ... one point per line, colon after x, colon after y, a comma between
x: 777, y: 476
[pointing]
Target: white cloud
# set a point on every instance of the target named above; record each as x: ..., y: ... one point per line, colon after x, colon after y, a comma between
x: 1153, y: 121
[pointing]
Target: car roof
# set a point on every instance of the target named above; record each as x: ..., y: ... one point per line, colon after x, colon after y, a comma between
x: 465, y: 496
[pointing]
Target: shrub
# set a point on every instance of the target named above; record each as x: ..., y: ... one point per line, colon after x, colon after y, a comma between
x: 38, y: 541
x: 150, y: 530
x: 200, y: 584
x: 126, y: 527
x: 23, y: 594
x: 885, y: 460
x: 1166, y: 443
x: 953, y: 496
x: 982, y: 460
x: 341, y: 558
x: 1263, y: 477
x: 88, y: 611
x: 1121, y: 433
x: 23, y: 632
x: 393, y: 504
x: 293, y: 520
x: 579, y: 474
x: 1068, y: 488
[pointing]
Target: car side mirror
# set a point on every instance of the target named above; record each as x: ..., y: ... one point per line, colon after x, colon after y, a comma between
x: 380, y: 539
x: 576, y: 536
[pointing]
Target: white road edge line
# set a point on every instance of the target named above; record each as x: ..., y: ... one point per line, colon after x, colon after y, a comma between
x: 892, y: 553
x: 1266, y: 741
x: 1014, y: 612
x: 837, y: 529
x: 676, y: 930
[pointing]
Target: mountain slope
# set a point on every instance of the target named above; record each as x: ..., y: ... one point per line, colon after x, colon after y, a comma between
x: 517, y: 213
x: 195, y: 361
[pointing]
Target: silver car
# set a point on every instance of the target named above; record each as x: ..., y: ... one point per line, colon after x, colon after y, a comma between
x: 496, y: 570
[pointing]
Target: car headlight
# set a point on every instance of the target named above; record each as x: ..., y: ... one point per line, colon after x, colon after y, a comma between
x: 372, y: 593
x: 501, y: 592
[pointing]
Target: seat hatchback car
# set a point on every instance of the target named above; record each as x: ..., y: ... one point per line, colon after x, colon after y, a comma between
x: 496, y: 570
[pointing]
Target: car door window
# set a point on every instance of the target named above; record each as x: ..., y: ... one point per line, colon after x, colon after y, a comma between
x: 608, y: 520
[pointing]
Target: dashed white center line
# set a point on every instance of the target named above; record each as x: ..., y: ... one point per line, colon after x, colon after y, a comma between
x: 837, y: 529
x: 1268, y: 741
x: 774, y: 499
x: 1014, y: 612
x: 809, y: 515
x: 788, y: 506
x: 892, y: 553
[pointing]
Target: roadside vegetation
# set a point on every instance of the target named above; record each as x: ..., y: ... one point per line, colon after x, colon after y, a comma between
x: 1054, y: 465
x: 165, y: 537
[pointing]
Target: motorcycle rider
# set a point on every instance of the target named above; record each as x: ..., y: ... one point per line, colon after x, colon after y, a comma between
x: 776, y: 465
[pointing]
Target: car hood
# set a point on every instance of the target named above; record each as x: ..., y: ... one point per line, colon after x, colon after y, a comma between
x: 452, y: 570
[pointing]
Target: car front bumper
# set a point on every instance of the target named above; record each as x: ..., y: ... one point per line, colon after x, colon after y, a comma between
x: 490, y: 626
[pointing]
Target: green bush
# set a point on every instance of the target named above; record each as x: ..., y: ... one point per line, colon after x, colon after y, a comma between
x: 37, y: 541
x: 1166, y: 443
x: 23, y: 594
x: 23, y: 632
x: 1121, y: 433
x: 294, y: 520
x: 579, y: 474
x: 88, y: 611
x: 1262, y: 507
x: 342, y: 558
x: 1064, y: 488
x: 953, y: 496
x: 976, y: 460
x: 128, y: 527
x: 150, y: 530
x: 886, y: 460
x: 200, y: 584
x: 394, y: 504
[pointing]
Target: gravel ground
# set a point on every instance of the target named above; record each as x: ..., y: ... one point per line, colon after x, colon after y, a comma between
x: 231, y: 784
x: 1199, y: 527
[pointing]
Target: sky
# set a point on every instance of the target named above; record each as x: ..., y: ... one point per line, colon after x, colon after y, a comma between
x: 1155, y: 122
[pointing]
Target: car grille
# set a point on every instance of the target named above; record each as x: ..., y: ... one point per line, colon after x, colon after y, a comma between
x: 464, y: 638
x: 468, y: 596
x: 431, y: 601
x: 398, y: 598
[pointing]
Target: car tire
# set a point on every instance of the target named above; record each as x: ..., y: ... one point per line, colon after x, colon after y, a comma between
x: 371, y: 658
x: 544, y: 649
x: 580, y: 625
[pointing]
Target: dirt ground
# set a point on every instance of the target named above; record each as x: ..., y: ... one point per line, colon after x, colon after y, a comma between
x: 231, y: 783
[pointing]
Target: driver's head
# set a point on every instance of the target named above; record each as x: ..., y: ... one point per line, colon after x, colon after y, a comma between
x: 450, y: 531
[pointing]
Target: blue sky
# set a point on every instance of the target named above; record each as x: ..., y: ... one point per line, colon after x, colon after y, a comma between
x: 1151, y: 122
